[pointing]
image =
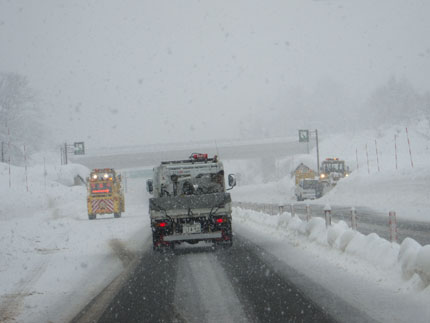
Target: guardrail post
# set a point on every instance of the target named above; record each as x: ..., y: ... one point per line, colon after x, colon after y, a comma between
x: 308, y: 213
x: 293, y: 212
x: 392, y: 221
x: 281, y: 208
x: 327, y: 215
x: 353, y: 219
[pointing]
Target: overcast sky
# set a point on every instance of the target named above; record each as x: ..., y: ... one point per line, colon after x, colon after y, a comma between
x: 131, y: 72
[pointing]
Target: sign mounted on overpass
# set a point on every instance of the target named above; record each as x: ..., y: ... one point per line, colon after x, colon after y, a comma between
x: 303, y: 135
x: 79, y: 148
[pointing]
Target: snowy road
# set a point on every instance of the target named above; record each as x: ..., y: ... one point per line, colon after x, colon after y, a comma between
x: 203, y: 284
x: 276, y: 277
x: 281, y: 273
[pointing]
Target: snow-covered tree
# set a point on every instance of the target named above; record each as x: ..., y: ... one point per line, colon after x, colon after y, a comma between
x: 19, y: 114
x: 394, y: 102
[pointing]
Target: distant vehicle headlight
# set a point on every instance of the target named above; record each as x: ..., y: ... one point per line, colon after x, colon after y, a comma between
x: 322, y: 176
x: 95, y: 176
x: 106, y: 175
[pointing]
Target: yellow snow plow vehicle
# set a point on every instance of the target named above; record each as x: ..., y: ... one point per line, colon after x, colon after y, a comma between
x: 332, y: 170
x: 105, y: 194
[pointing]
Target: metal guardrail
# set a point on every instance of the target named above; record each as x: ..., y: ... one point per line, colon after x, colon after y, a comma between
x: 363, y: 220
x: 269, y: 208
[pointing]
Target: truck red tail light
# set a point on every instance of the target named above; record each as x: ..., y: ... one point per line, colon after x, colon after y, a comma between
x: 198, y: 156
x: 162, y: 224
x: 219, y: 220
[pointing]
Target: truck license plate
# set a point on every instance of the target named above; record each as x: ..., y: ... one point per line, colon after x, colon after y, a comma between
x: 191, y: 228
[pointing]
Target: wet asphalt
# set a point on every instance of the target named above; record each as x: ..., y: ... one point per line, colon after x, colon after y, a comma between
x: 266, y: 294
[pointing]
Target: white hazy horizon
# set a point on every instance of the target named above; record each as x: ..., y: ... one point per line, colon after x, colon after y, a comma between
x: 116, y: 73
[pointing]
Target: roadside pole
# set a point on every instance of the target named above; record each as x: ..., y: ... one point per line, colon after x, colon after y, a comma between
x: 353, y: 219
x: 318, y: 152
x: 356, y: 158
x: 409, y: 145
x: 392, y: 222
x: 377, y: 157
x: 10, y: 175
x: 327, y: 215
x: 65, y: 153
x: 308, y: 212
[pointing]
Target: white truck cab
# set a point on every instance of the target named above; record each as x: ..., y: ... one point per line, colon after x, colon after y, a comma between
x: 308, y: 189
x: 190, y: 202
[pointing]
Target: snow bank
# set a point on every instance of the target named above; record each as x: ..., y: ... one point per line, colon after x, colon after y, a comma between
x: 41, y: 188
x: 423, y: 264
x: 68, y: 173
x: 404, y: 189
x: 381, y: 183
x: 46, y: 237
x: 407, y: 259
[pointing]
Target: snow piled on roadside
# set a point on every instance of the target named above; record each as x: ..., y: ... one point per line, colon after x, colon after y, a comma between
x: 45, y: 185
x: 52, y: 257
x: 405, y: 190
x: 409, y: 258
x: 388, y: 281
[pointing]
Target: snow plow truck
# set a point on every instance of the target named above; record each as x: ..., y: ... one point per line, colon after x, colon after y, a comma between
x: 105, y: 194
x: 332, y: 170
x: 190, y: 202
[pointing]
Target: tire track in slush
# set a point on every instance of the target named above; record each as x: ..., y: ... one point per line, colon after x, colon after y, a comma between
x: 206, y: 284
x: 203, y: 291
x: 147, y: 296
x: 269, y: 296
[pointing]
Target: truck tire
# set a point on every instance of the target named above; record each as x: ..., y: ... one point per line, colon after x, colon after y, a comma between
x: 117, y: 215
x: 227, y: 240
x: 91, y: 216
x: 228, y: 243
x: 224, y: 244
